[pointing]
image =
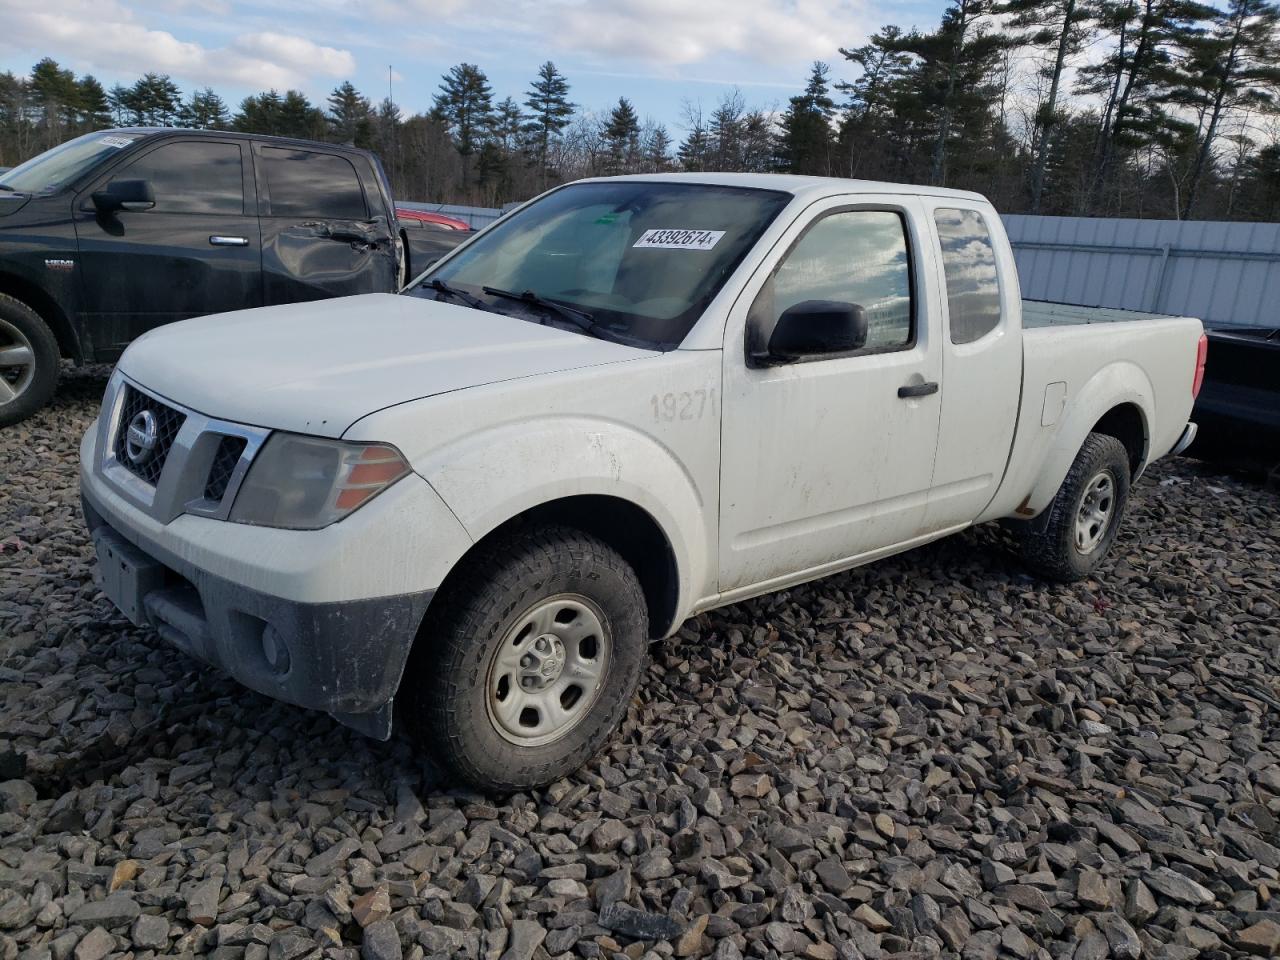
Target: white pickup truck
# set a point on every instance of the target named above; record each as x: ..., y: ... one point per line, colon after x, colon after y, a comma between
x: 630, y: 400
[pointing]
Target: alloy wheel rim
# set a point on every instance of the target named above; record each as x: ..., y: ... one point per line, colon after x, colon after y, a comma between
x: 1093, y: 517
x: 17, y: 362
x: 548, y: 671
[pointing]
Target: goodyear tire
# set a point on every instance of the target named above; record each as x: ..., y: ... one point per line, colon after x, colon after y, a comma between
x: 1085, y: 514
x: 29, y: 360
x: 526, y: 665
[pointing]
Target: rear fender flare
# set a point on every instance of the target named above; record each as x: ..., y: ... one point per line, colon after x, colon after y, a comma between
x: 1116, y: 384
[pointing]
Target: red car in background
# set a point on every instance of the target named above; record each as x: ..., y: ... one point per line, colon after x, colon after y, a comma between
x: 428, y: 237
x: 429, y: 220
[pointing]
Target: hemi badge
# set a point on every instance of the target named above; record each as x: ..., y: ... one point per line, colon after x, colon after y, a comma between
x: 60, y: 264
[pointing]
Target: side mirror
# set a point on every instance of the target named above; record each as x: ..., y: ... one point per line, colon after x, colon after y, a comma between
x: 130, y: 195
x: 817, y: 328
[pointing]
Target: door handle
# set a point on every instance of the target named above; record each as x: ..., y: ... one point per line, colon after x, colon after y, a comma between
x: 229, y: 241
x: 918, y: 390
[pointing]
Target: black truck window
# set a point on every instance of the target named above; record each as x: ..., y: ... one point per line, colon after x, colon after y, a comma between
x: 301, y: 183
x: 192, y: 177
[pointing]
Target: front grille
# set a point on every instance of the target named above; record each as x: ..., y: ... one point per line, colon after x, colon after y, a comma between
x: 224, y: 464
x: 144, y: 452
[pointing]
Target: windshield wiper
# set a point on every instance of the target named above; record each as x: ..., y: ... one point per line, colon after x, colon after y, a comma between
x: 439, y: 286
x: 5, y: 186
x: 579, y: 318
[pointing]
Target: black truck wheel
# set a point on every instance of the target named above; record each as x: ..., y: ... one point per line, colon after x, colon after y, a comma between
x: 1085, y: 514
x: 527, y: 663
x: 29, y: 359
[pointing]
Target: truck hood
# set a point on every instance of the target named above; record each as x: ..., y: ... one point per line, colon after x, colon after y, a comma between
x: 319, y: 367
x: 11, y: 203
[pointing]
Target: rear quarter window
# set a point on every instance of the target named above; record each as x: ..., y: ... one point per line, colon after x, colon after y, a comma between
x: 969, y: 262
x: 320, y: 186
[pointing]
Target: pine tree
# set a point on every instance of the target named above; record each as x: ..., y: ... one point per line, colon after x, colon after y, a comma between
x: 1061, y: 27
x: 58, y: 95
x: 465, y: 102
x: 350, y: 115
x: 726, y: 145
x: 94, y: 111
x: 1134, y: 78
x: 806, y: 126
x: 155, y: 100
x: 622, y: 137
x: 118, y: 101
x: 260, y: 113
x: 869, y: 130
x: 1234, y: 66
x: 549, y: 113
x: 299, y: 117
x: 657, y: 149
x: 204, y: 110
x: 694, y: 150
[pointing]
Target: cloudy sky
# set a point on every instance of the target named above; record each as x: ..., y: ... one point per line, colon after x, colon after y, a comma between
x: 657, y: 52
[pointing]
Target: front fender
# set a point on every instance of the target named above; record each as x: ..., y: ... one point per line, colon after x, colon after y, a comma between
x: 1118, y: 383
x: 498, y: 473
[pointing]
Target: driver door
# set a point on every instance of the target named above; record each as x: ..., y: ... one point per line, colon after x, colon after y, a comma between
x: 196, y: 251
x: 823, y: 460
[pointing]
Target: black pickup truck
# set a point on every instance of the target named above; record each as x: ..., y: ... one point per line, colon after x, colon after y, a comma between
x: 116, y: 232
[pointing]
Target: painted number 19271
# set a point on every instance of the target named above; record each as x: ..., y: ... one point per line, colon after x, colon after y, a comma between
x: 686, y: 405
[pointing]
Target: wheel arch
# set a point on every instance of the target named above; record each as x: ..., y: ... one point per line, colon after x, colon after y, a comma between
x: 1116, y: 401
x: 47, y: 308
x: 625, y: 526
x: 1128, y: 424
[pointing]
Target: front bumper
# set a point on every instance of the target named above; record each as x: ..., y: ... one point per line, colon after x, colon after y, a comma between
x: 323, y: 619
x: 343, y: 657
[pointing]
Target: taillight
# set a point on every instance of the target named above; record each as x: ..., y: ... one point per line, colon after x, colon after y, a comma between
x: 1202, y: 353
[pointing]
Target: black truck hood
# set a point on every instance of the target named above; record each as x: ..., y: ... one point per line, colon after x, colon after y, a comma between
x: 11, y: 203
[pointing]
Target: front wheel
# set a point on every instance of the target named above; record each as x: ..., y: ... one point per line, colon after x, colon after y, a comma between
x: 29, y: 359
x: 1084, y: 516
x: 527, y: 663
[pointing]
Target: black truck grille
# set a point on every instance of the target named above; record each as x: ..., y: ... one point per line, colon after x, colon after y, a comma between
x: 224, y: 464
x: 143, y: 442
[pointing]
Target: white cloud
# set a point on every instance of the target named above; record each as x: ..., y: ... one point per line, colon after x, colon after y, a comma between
x: 105, y: 36
x: 678, y: 32
x: 669, y: 33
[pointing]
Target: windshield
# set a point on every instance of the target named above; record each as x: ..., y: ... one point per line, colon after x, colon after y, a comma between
x: 56, y: 168
x: 641, y: 259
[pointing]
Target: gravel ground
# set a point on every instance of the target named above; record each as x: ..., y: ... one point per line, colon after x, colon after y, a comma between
x: 936, y: 755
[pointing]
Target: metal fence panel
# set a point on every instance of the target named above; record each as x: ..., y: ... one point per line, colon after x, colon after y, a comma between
x: 1224, y: 273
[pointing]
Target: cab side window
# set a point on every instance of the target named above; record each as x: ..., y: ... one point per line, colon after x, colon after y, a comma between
x: 969, y: 261
x: 853, y: 256
x: 192, y: 177
x: 302, y: 183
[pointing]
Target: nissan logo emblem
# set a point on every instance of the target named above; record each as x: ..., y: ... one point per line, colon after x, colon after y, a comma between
x: 140, y: 438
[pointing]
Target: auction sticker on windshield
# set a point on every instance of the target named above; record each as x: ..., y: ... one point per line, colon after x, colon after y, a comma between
x: 115, y: 141
x: 679, y: 239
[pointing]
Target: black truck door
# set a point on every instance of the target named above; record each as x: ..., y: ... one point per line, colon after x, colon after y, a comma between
x: 323, y: 234
x: 196, y: 251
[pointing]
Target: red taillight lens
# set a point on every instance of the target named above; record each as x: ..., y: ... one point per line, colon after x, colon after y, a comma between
x: 1202, y: 353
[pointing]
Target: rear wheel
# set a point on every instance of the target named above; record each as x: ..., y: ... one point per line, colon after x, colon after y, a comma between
x: 29, y: 360
x: 1085, y: 515
x: 527, y: 664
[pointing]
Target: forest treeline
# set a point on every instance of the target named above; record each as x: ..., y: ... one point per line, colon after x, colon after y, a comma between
x: 1147, y: 108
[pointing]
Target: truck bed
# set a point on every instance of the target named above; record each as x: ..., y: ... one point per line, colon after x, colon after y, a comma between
x: 1045, y: 313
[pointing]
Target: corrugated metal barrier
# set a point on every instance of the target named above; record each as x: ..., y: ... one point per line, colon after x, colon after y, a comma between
x: 1224, y: 273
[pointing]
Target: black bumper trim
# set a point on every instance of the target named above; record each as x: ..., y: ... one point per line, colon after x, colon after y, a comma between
x: 344, y: 658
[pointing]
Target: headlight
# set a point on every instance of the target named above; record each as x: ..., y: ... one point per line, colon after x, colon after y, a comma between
x: 305, y: 483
